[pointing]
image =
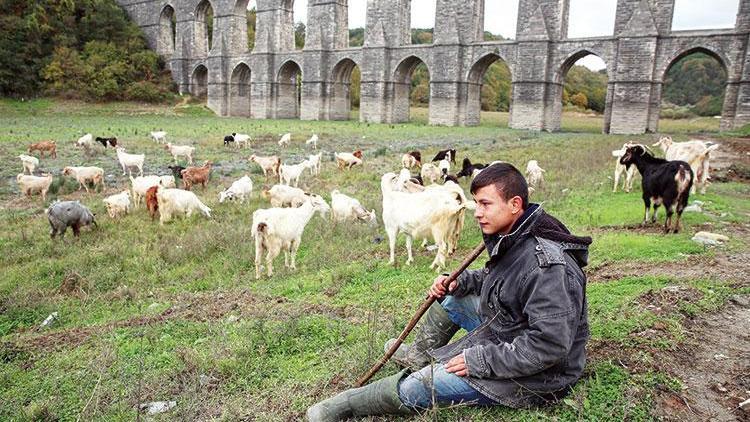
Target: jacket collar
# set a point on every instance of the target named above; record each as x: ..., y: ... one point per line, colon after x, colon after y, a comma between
x: 497, y: 244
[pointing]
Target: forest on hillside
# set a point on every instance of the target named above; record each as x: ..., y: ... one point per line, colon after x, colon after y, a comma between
x: 89, y: 49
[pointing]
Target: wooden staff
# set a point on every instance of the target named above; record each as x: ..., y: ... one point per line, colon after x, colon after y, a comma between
x: 422, y: 309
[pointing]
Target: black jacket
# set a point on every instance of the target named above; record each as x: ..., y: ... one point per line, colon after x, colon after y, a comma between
x: 530, y: 347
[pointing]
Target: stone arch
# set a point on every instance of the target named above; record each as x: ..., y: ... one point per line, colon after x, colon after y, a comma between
x: 682, y: 53
x: 203, y: 28
x: 402, y: 85
x: 239, y: 91
x: 199, y: 81
x: 167, y: 31
x: 288, y: 90
x: 340, y: 103
x: 567, y: 63
x: 474, y: 79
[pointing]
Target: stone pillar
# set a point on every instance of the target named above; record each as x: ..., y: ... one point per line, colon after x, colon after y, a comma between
x: 274, y: 27
x: 736, y: 110
x: 375, y: 81
x: 218, y: 71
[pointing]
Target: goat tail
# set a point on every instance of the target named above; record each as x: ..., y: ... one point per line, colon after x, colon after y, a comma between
x: 684, y: 179
x: 260, y: 229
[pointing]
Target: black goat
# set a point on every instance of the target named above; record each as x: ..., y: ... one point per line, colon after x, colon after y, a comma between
x: 104, y: 141
x: 468, y: 168
x: 228, y: 139
x: 176, y: 171
x: 663, y: 182
x: 441, y: 155
x: 417, y: 179
x: 449, y: 177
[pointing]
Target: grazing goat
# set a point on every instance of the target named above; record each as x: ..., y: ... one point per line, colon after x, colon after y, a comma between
x: 283, y: 195
x: 29, y: 184
x: 449, y: 154
x: 277, y: 229
x: 411, y: 159
x: 44, y: 146
x: 534, y: 174
x: 663, y: 182
x: 430, y: 172
x: 140, y: 185
x: 406, y: 183
x: 629, y: 171
x: 313, y: 141
x: 86, y: 142
x: 267, y: 164
x: 159, y: 137
x: 180, y: 151
x: 130, y: 160
x: 84, y: 175
x: 291, y: 173
x: 345, y: 208
x: 118, y: 204
x: 695, y: 152
x: 107, y: 141
x: 240, y: 189
x: 239, y: 139
x: 29, y: 163
x: 285, y: 139
x: 176, y: 171
x: 152, y: 201
x: 62, y: 215
x: 314, y: 163
x: 467, y: 168
x: 196, y: 175
x: 444, y: 166
x: 437, y: 211
x: 348, y: 160
x: 178, y: 201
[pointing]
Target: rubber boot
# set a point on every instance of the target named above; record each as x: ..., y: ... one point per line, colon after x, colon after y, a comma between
x: 435, y: 330
x: 377, y: 398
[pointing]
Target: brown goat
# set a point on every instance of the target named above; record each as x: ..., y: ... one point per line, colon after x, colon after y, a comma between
x: 358, y: 154
x: 152, y: 204
x: 42, y: 146
x: 195, y: 175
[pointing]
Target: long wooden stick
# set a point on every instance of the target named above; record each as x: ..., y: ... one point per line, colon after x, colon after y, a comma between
x: 418, y: 315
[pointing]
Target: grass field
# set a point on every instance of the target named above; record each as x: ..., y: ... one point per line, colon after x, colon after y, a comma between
x: 151, y: 313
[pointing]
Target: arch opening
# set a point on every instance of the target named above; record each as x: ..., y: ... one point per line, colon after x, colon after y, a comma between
x: 167, y: 31
x: 411, y: 91
x: 489, y: 91
x: 500, y: 20
x: 204, y: 24
x: 693, y: 15
x: 299, y: 20
x: 199, y: 82
x: 344, y: 90
x: 422, y: 21
x: 591, y: 18
x: 289, y: 91
x: 693, y: 86
x: 357, y: 18
x: 239, y: 91
x: 585, y: 94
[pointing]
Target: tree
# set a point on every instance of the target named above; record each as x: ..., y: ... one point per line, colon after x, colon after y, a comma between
x: 580, y: 100
x: 299, y: 35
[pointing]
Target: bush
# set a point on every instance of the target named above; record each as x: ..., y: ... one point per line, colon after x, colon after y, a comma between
x: 146, y: 91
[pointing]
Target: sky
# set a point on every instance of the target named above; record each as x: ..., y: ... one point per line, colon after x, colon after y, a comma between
x: 587, y: 18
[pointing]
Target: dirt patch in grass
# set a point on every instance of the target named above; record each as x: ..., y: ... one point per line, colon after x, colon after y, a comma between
x: 731, y: 161
x: 713, y: 366
x: 667, y: 300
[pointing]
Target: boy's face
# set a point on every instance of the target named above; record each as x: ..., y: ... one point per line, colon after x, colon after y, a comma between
x: 495, y: 214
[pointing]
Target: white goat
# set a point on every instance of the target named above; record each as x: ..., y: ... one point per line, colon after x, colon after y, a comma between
x: 167, y: 181
x: 285, y: 139
x: 283, y: 195
x: 627, y: 183
x: 291, y: 173
x: 179, y: 201
x: 84, y: 175
x: 695, y: 152
x: 241, y: 140
x: 130, y: 160
x: 429, y: 172
x: 159, y: 137
x: 313, y: 141
x: 534, y: 174
x: 32, y: 184
x: 29, y: 163
x: 444, y: 166
x: 277, y: 229
x: 345, y: 208
x: 141, y: 184
x: 433, y: 212
x: 347, y: 159
x: 314, y: 162
x: 240, y: 189
x: 86, y: 141
x: 181, y: 151
x: 267, y: 164
x: 118, y: 204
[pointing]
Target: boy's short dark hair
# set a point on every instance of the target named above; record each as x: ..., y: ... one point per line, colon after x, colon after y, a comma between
x: 508, y: 181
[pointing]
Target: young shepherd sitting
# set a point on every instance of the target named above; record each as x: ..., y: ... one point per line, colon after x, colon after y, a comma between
x: 525, y: 313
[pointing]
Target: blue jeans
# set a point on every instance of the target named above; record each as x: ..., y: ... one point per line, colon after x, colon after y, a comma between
x: 432, y: 382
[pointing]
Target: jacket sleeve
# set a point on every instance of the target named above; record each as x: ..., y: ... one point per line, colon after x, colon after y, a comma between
x: 552, y: 304
x: 469, y: 282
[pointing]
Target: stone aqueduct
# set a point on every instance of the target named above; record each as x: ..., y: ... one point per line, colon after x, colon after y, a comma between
x: 262, y: 83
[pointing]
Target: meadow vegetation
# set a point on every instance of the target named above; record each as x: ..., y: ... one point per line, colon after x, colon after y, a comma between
x: 150, y: 313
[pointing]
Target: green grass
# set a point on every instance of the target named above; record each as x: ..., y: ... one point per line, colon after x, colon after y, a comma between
x: 150, y: 317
